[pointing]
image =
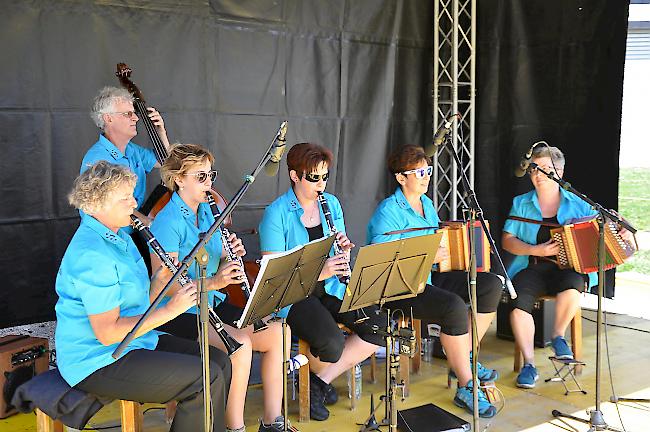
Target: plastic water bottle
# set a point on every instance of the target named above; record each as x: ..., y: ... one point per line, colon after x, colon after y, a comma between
x: 357, y: 381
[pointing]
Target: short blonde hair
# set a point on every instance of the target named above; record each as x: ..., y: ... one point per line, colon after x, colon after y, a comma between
x: 181, y: 158
x: 92, y: 188
x: 554, y: 153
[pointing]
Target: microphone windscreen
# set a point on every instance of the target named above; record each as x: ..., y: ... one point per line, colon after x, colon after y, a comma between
x: 520, y: 172
x: 430, y: 149
x: 271, y: 168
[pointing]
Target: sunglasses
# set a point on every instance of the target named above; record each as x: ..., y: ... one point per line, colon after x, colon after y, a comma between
x: 202, y: 176
x: 127, y: 114
x: 420, y: 172
x: 314, y: 178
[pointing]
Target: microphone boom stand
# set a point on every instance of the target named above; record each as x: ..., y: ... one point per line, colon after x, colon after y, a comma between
x: 596, y: 420
x: 278, y: 141
x: 476, y: 212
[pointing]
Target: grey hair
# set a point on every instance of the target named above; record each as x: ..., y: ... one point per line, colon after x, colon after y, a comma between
x: 105, y: 101
x: 92, y: 188
x: 554, y: 153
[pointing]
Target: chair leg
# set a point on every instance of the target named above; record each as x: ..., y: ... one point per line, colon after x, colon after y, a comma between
x: 519, y: 359
x: 303, y: 388
x: 576, y: 339
x: 44, y: 423
x: 373, y: 369
x: 131, y: 414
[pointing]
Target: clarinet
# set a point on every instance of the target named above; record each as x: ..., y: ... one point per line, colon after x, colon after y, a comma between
x: 344, y: 279
x: 230, y: 343
x: 258, y: 325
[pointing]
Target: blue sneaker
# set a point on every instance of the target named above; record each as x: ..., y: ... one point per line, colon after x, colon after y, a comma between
x: 484, y: 374
x: 561, y: 348
x: 464, y: 398
x: 527, y: 377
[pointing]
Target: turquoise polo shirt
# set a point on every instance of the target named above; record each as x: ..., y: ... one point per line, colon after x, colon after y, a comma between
x: 100, y: 271
x: 527, y: 206
x: 281, y: 230
x: 176, y: 230
x: 139, y: 159
x: 395, y: 213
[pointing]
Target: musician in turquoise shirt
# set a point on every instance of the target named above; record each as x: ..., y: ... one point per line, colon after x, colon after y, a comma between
x: 294, y: 219
x: 103, y: 289
x: 444, y: 298
x: 532, y: 271
x: 114, y: 115
x: 188, y: 173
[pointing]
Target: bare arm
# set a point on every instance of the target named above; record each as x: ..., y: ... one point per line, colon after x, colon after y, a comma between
x: 518, y: 247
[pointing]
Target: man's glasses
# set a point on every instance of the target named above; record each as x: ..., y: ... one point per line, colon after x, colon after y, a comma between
x: 314, y: 178
x: 127, y: 114
x: 202, y: 176
x: 420, y: 172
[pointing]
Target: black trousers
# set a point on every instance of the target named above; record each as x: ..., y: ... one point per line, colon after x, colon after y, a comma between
x: 445, y: 302
x: 172, y: 371
x: 544, y: 278
x: 315, y: 321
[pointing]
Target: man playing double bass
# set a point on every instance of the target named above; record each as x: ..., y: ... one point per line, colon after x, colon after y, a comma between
x: 114, y: 115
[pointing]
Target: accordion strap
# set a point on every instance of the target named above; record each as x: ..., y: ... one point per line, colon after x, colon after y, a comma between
x: 407, y: 230
x: 534, y: 221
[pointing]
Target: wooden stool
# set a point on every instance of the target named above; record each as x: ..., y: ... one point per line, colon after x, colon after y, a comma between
x: 576, y: 344
x: 406, y: 366
x: 131, y: 413
x: 303, y: 380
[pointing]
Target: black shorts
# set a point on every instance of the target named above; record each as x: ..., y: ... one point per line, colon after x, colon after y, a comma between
x: 544, y: 278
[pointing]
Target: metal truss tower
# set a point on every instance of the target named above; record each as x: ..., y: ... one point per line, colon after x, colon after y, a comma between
x: 454, y: 64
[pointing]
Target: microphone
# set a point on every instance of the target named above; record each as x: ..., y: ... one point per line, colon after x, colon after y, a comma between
x: 279, y: 146
x: 440, y: 135
x: 524, y: 163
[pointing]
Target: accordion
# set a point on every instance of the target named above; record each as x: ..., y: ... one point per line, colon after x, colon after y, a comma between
x: 578, y: 242
x: 455, y: 237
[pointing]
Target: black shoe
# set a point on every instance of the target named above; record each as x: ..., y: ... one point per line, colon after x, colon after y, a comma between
x: 317, y: 410
x: 329, y: 392
x: 331, y: 397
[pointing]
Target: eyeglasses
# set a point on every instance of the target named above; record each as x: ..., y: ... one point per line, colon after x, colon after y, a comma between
x: 314, y: 178
x: 202, y: 176
x: 127, y: 114
x: 420, y: 172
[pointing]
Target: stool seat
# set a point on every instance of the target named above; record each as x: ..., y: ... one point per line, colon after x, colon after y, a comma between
x: 130, y: 412
x: 566, y: 368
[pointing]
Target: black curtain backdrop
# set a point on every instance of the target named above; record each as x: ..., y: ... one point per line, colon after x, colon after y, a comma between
x: 553, y: 71
x: 354, y: 75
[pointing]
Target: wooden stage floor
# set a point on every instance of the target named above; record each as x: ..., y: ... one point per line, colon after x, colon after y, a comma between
x: 524, y: 410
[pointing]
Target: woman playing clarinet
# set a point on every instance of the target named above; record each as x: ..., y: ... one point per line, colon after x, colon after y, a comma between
x: 103, y: 289
x: 294, y: 219
x: 189, y: 174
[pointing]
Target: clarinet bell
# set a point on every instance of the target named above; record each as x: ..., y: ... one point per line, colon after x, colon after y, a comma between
x: 259, y: 326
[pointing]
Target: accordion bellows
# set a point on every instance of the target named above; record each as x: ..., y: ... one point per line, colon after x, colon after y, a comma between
x: 456, y: 239
x: 578, y: 242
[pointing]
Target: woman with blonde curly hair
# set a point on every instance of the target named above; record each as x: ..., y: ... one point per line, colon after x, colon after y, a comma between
x: 103, y: 290
x: 188, y: 173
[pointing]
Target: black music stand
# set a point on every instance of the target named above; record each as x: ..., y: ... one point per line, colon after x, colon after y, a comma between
x: 284, y: 279
x: 382, y: 273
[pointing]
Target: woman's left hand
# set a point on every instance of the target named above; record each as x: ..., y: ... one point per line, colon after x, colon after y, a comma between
x: 344, y: 241
x: 236, y: 245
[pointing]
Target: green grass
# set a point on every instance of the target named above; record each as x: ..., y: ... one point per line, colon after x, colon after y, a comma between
x: 634, y: 197
x: 634, y: 205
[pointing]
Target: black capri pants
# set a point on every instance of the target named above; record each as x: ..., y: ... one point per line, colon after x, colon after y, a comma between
x: 173, y: 371
x: 315, y: 321
x: 544, y: 278
x: 445, y: 302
